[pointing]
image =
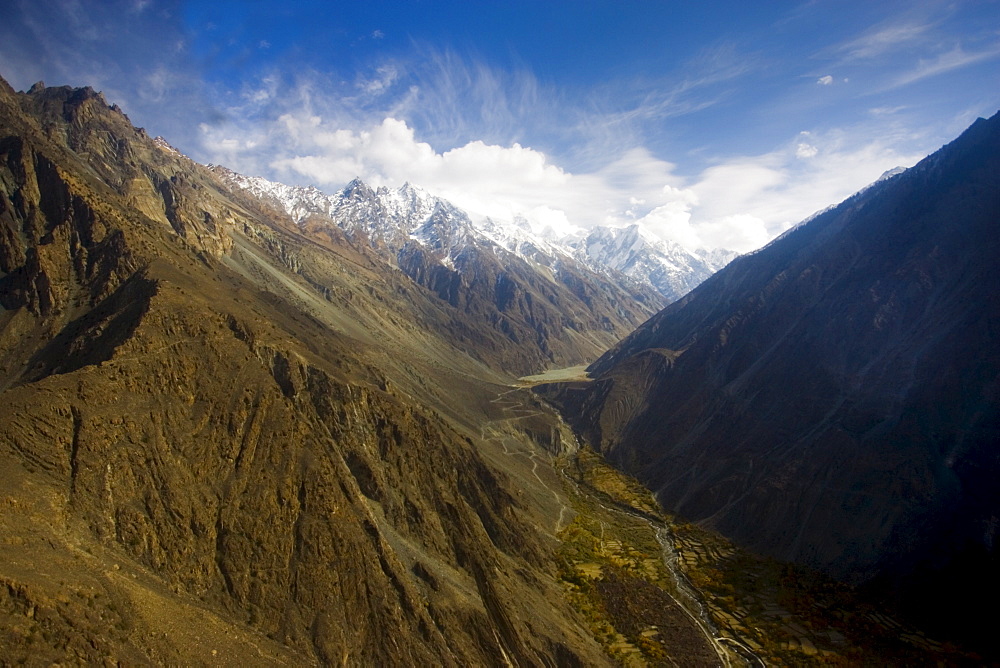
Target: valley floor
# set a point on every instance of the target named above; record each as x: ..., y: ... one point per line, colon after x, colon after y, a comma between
x: 573, y: 373
x: 657, y: 591
x: 649, y: 589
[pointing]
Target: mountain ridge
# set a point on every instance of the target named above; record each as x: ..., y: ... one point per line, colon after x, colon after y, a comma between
x: 831, y: 398
x: 408, y: 210
x: 211, y: 436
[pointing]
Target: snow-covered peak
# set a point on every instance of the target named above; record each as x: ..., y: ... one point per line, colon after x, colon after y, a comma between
x: 717, y: 257
x: 395, y: 215
x: 620, y: 247
x: 297, y: 201
x: 357, y: 189
x: 889, y: 173
x: 521, y: 223
x: 409, y: 205
x: 667, y: 266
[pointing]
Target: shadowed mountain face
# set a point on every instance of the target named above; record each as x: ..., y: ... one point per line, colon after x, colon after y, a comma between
x: 834, y: 398
x: 227, y: 437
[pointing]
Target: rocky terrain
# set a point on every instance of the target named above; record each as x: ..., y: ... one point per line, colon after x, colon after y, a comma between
x: 832, y: 398
x: 211, y: 445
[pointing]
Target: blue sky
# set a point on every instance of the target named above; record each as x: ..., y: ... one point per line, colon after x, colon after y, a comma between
x: 716, y: 124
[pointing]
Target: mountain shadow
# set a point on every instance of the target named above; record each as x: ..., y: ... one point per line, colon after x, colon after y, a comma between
x: 834, y: 398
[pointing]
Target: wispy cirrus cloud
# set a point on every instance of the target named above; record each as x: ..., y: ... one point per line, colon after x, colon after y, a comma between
x: 877, y: 43
x: 385, y: 76
x: 456, y: 98
x: 955, y: 58
x: 630, y: 111
x: 924, y: 40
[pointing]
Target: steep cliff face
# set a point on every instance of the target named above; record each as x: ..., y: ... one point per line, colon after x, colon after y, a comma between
x: 833, y: 398
x: 229, y: 438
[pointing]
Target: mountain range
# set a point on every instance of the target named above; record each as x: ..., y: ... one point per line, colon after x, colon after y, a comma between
x: 249, y: 423
x: 394, y: 216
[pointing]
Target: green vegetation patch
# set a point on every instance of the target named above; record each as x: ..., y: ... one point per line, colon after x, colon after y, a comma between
x: 612, y: 569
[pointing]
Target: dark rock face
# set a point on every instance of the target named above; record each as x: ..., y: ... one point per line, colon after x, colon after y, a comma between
x: 542, y: 317
x: 834, y: 398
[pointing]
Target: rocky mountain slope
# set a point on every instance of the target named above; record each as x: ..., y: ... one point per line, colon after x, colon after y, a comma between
x: 227, y: 440
x: 832, y: 398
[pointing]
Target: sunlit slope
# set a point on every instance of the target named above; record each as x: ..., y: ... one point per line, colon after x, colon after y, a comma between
x: 228, y: 440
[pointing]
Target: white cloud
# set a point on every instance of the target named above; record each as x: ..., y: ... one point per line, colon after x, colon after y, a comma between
x: 886, y: 111
x: 673, y: 221
x: 385, y: 76
x: 805, y: 151
x: 741, y: 232
x: 745, y: 201
x: 549, y: 221
x: 159, y: 84
x: 488, y: 180
x: 738, y: 203
x: 825, y: 80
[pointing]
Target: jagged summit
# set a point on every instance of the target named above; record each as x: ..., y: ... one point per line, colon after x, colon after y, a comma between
x: 667, y: 266
x: 393, y: 215
x: 357, y: 188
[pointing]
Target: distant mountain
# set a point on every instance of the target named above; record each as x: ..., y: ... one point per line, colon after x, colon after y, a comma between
x: 672, y: 270
x: 394, y: 215
x: 550, y: 308
x: 834, y: 398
